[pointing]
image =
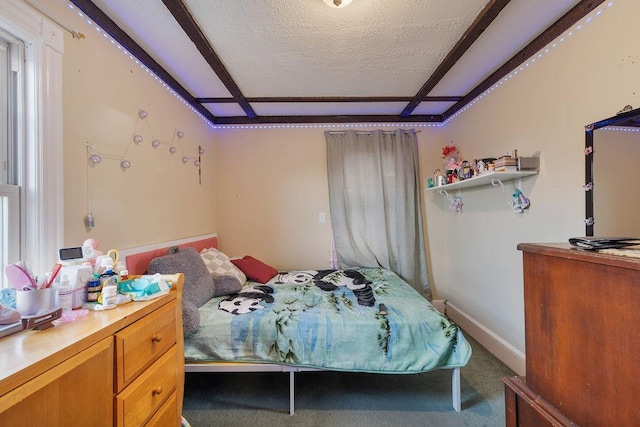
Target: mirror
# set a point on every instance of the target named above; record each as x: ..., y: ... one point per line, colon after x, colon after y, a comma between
x: 612, y: 152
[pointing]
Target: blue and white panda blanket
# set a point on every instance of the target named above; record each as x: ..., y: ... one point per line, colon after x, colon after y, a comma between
x: 357, y: 320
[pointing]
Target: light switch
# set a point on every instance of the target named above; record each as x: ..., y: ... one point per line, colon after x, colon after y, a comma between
x: 322, y: 217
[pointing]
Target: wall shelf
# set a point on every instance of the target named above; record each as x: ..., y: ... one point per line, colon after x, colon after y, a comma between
x: 489, y: 178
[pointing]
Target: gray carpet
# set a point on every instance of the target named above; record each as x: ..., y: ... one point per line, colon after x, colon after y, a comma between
x: 346, y: 399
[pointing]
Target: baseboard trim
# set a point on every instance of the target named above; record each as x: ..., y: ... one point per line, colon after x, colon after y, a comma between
x: 501, y: 349
x: 439, y: 304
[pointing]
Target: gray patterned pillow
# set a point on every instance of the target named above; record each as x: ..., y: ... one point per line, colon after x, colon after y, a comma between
x: 219, y: 264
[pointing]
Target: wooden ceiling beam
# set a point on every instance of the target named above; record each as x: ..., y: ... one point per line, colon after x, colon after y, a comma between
x: 189, y: 25
x: 263, y: 120
x: 479, y: 25
x: 319, y: 99
x: 578, y: 12
x: 111, y: 28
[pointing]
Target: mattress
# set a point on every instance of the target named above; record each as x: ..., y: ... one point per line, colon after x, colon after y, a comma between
x: 356, y: 320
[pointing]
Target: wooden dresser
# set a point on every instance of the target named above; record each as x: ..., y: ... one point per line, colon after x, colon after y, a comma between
x: 582, y: 317
x: 118, y: 367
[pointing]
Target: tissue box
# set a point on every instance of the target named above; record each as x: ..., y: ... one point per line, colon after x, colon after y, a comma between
x: 528, y: 163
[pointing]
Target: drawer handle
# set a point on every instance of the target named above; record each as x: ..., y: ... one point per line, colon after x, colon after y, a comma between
x: 156, y: 338
x: 156, y: 391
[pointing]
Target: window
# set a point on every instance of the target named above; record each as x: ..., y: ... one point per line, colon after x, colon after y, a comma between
x: 30, y: 188
x: 11, y: 57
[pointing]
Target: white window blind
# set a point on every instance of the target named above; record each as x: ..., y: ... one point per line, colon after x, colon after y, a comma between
x: 11, y: 55
x: 31, y: 217
x: 9, y: 224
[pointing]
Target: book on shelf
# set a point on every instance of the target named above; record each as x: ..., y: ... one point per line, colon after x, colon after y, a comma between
x: 506, y: 168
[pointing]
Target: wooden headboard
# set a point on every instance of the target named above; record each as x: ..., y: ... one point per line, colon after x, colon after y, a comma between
x: 138, y: 259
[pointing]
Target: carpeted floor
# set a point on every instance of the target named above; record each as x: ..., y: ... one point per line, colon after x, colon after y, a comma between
x: 346, y: 399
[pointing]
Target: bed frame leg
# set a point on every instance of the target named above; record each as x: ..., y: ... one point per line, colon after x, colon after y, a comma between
x: 455, y: 389
x: 291, y: 392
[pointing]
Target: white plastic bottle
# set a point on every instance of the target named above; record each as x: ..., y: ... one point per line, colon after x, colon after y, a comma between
x: 109, y: 296
x: 109, y: 293
x: 65, y: 295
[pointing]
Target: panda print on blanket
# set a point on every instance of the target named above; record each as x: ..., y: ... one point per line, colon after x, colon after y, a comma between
x: 297, y: 277
x: 330, y: 280
x: 252, y: 298
x: 247, y: 300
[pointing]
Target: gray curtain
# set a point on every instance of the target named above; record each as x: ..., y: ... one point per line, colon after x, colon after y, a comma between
x: 374, y: 196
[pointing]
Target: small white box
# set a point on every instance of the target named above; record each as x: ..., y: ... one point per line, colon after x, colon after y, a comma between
x: 528, y: 163
x: 77, y: 275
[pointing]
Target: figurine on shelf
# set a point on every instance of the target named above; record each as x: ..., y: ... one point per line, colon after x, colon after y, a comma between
x: 437, y: 178
x: 464, y: 171
x: 449, y: 152
x: 451, y: 163
x: 449, y: 155
x: 481, y: 167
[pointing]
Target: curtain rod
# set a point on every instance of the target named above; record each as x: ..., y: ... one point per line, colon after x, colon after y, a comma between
x: 364, y: 132
x: 46, y: 12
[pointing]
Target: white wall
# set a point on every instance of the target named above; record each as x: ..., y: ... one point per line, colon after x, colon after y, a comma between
x: 587, y: 77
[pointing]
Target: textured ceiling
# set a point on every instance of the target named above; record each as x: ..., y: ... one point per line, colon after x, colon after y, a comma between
x: 302, y: 61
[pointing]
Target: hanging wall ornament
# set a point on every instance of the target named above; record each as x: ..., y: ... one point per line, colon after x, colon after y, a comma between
x: 198, y: 163
x: 187, y: 159
x: 456, y: 204
x: 94, y: 157
x: 92, y: 160
x: 520, y: 202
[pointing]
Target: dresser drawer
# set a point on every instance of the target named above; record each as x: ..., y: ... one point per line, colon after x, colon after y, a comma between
x: 167, y: 414
x: 525, y: 408
x: 139, y: 402
x: 139, y: 345
x: 78, y: 389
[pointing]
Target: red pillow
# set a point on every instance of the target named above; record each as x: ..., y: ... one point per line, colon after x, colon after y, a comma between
x: 254, y: 269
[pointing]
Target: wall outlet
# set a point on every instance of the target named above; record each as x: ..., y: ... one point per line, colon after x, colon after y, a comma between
x: 322, y: 217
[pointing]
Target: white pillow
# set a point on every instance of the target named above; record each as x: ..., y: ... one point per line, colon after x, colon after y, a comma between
x: 219, y: 263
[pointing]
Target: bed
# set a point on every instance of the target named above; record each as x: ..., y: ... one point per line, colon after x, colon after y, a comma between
x: 313, y: 320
